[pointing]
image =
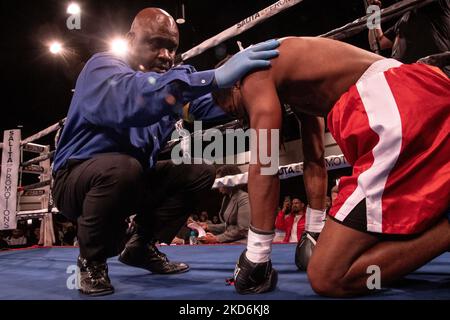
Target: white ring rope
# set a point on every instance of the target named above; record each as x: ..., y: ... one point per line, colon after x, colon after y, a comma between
x: 338, y: 33
x: 38, y: 159
x: 284, y: 172
x: 42, y: 133
x: 240, y: 27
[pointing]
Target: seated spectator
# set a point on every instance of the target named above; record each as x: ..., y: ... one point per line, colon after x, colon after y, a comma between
x: 35, y: 236
x: 17, y: 239
x: 234, y: 213
x: 294, y: 222
x: 204, y: 217
x: 177, y: 241
x: 215, y: 220
x: 70, y: 235
x: 183, y: 234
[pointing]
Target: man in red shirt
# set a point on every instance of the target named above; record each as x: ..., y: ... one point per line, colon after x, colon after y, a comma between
x: 294, y: 223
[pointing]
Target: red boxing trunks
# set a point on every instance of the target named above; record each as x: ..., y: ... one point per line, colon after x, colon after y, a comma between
x: 393, y: 127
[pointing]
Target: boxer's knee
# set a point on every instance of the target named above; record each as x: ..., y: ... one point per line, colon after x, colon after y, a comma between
x: 319, y: 282
x: 325, y: 282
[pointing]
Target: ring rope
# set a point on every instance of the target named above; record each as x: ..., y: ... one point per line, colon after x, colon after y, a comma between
x: 34, y: 186
x: 345, y: 31
x: 38, y: 159
x: 284, y: 172
x: 240, y: 27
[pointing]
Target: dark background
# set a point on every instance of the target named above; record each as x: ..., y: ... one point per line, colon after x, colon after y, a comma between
x: 36, y: 86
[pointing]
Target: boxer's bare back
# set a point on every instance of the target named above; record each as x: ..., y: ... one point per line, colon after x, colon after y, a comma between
x: 311, y: 74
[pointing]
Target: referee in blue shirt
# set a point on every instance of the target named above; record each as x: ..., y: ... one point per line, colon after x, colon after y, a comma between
x: 122, y: 113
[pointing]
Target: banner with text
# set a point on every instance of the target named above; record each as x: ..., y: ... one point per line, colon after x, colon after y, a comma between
x: 9, y: 179
x: 284, y: 172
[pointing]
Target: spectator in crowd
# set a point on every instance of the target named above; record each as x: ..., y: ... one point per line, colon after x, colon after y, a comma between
x: 234, y: 213
x: 418, y: 33
x: 334, y: 193
x: 66, y: 233
x: 70, y: 235
x: 17, y: 239
x: 286, y: 209
x: 203, y: 217
x: 35, y: 236
x: 293, y: 223
x: 286, y: 205
x: 183, y: 234
x: 177, y: 241
x: 215, y: 220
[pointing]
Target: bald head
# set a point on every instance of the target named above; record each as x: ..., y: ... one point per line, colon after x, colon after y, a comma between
x: 153, y: 40
x: 154, y: 19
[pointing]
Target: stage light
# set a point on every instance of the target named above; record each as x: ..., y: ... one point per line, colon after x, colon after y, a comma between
x: 56, y: 48
x: 29, y: 221
x: 181, y: 16
x: 73, y: 8
x: 119, y: 46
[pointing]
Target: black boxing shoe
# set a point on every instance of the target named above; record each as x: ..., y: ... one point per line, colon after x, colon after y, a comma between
x: 252, y: 277
x: 305, y: 248
x: 143, y: 255
x: 93, y: 278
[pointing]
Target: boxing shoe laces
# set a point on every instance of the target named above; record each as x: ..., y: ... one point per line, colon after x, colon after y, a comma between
x: 250, y: 277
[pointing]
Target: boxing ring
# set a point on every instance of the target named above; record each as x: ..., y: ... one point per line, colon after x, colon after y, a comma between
x: 46, y: 273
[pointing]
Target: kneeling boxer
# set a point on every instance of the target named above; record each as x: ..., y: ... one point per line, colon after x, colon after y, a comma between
x: 391, y: 121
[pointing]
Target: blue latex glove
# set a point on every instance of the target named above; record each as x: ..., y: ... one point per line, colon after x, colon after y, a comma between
x: 254, y: 57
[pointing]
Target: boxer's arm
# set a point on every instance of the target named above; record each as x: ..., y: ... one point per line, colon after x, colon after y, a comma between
x: 314, y: 171
x: 264, y: 110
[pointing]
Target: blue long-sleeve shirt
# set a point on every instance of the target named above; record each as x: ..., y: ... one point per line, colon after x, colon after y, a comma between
x: 118, y: 110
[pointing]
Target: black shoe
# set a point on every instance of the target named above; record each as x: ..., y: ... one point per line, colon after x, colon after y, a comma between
x: 305, y: 248
x: 252, y: 277
x: 94, y: 280
x: 147, y: 256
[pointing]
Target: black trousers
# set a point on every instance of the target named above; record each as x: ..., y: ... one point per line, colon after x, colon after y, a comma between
x: 101, y: 192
